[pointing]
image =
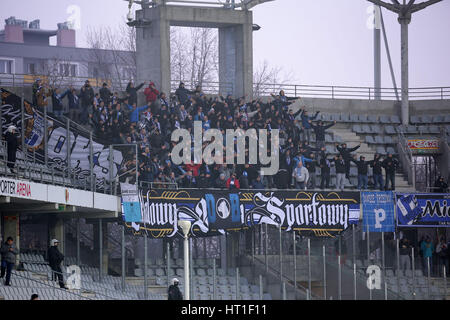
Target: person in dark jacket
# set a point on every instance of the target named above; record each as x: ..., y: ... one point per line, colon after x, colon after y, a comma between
x: 74, y: 105
x: 319, y: 130
x: 363, y: 167
x: 346, y: 155
x: 340, y: 172
x: 183, y: 94
x: 8, y: 252
x: 12, y: 142
x: 306, y: 123
x: 174, y: 292
x: 325, y: 169
x: 54, y: 260
x: 390, y: 165
x: 105, y: 94
x: 57, y: 101
x: 87, y: 99
x: 243, y: 180
x: 377, y: 166
x: 132, y: 92
x: 440, y: 186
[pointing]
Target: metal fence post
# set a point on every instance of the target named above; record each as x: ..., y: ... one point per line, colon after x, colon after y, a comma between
x: 354, y: 243
x: 309, y: 264
x: 261, y: 287
x: 22, y: 123
x: 324, y: 273
x: 145, y: 266
x: 339, y: 278
x: 266, y: 248
x: 168, y: 264
x: 123, y: 257
x: 78, y: 243
x: 295, y: 264
x: 413, y: 265
x: 111, y: 162
x: 368, y: 260
x: 284, y: 291
x: 68, y: 150
x: 445, y: 281
x: 100, y: 236
x: 429, y: 278
x: 91, y: 160
x: 238, y: 285
x: 383, y: 264
x: 45, y: 137
x: 354, y: 281
x: 214, y: 280
x: 398, y: 263
x: 281, y: 257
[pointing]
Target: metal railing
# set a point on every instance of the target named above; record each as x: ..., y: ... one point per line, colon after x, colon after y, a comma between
x: 348, y: 92
x: 215, y: 87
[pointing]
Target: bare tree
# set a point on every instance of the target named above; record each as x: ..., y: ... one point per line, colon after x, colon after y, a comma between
x: 113, y: 54
x: 269, y: 79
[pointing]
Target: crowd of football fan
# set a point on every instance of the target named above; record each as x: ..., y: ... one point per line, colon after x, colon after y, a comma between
x: 118, y: 120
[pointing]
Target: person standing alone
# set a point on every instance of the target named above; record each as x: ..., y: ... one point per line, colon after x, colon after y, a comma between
x: 54, y: 259
x: 9, y: 253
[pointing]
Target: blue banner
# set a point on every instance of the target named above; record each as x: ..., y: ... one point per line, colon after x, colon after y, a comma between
x: 378, y: 211
x: 423, y: 209
x: 131, y: 205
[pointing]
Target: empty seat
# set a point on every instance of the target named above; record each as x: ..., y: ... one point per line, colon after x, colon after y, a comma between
x: 411, y: 130
x: 362, y: 118
x: 438, y: 119
x: 426, y: 119
x: 354, y: 118
x: 388, y: 140
x: 379, y: 139
x: 376, y: 128
x: 369, y: 139
x: 357, y: 129
x: 381, y: 150
x: 372, y: 118
x: 434, y: 129
x: 385, y: 119
x: 414, y: 119
x: 389, y: 130
x: 366, y: 129
x: 345, y: 117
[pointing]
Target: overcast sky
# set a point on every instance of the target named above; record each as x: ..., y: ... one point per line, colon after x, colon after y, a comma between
x: 322, y: 42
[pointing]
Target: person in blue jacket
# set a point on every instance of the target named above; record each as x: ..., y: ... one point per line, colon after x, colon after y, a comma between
x: 306, y: 123
x: 134, y: 115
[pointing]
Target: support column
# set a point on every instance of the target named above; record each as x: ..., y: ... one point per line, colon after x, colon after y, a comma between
x: 377, y: 53
x: 404, y: 21
x: 153, y: 48
x: 236, y: 59
x: 11, y: 227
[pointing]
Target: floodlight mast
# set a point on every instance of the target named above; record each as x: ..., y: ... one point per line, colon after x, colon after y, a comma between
x: 404, y: 12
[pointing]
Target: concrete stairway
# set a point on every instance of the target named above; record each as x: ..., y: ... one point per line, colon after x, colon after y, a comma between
x: 352, y: 139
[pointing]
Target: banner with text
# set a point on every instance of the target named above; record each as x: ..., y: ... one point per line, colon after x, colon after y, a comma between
x: 216, y: 211
x: 378, y: 211
x: 58, y: 140
x: 423, y: 209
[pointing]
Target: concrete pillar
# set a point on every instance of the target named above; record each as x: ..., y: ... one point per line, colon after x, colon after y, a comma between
x: 236, y: 59
x: 11, y: 228
x: 153, y: 48
x: 56, y: 231
x: 104, y: 244
x: 404, y: 22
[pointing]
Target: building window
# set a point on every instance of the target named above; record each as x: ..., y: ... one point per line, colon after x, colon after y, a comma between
x: 6, y: 66
x: 68, y: 70
x: 31, y: 68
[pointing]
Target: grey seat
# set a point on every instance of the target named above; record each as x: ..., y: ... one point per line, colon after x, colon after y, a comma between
x: 447, y: 118
x: 395, y: 119
x: 363, y: 118
x: 329, y: 138
x: 389, y: 130
x: 426, y: 119
x: 372, y: 118
x: 388, y: 140
x: 357, y: 129
x: 411, y: 130
x: 385, y: 119
x: 376, y: 129
x: 366, y: 129
x: 353, y: 172
x: 345, y: 117
x: 354, y: 118
x: 379, y: 139
x: 434, y: 129
x: 381, y: 150
x: 369, y: 139
x: 414, y: 119
x: 438, y: 119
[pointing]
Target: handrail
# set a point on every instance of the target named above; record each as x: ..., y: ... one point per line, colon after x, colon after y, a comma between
x: 261, y: 89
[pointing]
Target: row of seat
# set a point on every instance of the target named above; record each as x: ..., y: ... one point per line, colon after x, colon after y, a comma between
x: 392, y: 130
x: 359, y: 118
x: 427, y: 119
